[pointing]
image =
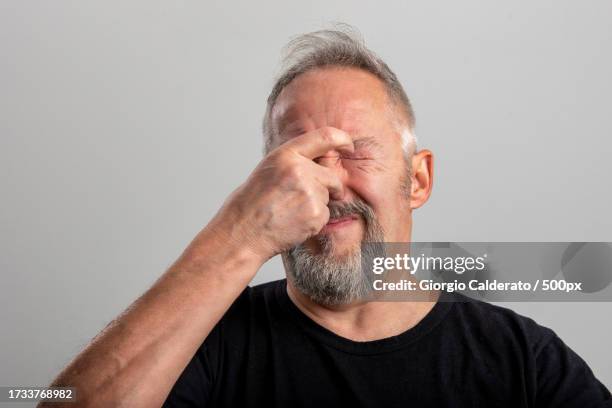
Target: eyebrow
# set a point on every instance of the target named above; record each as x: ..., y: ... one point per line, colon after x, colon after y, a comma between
x: 367, y: 141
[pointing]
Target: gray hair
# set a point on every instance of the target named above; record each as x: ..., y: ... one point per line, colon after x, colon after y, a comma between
x: 342, y: 47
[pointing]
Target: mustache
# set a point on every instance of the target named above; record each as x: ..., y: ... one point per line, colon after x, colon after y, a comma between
x: 339, y: 209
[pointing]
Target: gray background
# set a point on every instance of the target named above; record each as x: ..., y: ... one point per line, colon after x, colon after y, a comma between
x: 124, y: 125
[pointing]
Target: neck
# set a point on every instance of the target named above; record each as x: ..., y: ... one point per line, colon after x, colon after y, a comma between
x: 363, y: 321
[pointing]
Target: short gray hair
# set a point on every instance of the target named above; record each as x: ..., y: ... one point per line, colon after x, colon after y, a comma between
x: 343, y: 47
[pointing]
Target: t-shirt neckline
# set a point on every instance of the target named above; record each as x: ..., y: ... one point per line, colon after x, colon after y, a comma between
x: 388, y: 344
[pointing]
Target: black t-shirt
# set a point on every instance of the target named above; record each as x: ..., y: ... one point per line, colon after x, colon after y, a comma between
x: 266, y: 353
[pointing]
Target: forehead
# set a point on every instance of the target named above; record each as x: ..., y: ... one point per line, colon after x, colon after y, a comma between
x: 347, y: 98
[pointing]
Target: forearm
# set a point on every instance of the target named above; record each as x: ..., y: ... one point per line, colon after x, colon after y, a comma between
x: 137, y: 359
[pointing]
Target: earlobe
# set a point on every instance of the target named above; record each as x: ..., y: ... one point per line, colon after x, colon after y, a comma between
x: 421, y: 178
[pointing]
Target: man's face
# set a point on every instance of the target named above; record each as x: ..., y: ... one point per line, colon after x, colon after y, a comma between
x: 376, y: 173
x: 375, y: 205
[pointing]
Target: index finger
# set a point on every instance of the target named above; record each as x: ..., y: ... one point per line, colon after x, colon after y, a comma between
x: 320, y: 141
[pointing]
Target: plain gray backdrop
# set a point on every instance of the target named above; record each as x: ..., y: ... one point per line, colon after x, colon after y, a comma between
x: 124, y: 126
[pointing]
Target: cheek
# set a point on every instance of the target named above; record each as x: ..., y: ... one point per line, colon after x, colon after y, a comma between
x: 381, y: 192
x: 384, y: 193
x: 363, y: 184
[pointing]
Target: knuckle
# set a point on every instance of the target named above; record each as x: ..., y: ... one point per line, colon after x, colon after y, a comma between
x: 316, y: 212
x: 317, y: 219
x: 324, y: 213
x: 313, y: 209
x: 275, y: 155
x: 283, y: 154
x: 292, y: 173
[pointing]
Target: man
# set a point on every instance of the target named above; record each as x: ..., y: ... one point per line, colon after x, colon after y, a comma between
x: 341, y: 168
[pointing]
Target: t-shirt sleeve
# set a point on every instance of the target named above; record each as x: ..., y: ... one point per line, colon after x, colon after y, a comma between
x: 199, y: 382
x: 565, y: 380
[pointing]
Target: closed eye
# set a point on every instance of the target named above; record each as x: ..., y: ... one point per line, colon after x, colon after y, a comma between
x: 354, y: 158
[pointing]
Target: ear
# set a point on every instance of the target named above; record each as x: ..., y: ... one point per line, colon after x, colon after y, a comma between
x: 421, y: 178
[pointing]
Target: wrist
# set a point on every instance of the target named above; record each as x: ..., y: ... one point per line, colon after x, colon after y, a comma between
x: 223, y: 244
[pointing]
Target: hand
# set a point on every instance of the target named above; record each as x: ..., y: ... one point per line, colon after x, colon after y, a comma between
x: 284, y: 201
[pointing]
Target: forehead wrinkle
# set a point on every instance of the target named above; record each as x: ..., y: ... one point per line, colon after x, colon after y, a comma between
x: 291, y: 120
x: 330, y: 109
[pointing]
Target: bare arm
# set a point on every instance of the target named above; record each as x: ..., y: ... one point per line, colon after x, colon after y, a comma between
x: 137, y: 359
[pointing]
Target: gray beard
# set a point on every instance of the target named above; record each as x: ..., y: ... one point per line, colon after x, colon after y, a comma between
x: 329, y: 278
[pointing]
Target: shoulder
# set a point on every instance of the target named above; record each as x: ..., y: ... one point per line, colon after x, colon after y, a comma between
x: 247, y: 316
x: 257, y: 295
x: 253, y: 305
x: 486, y: 322
x: 499, y: 335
